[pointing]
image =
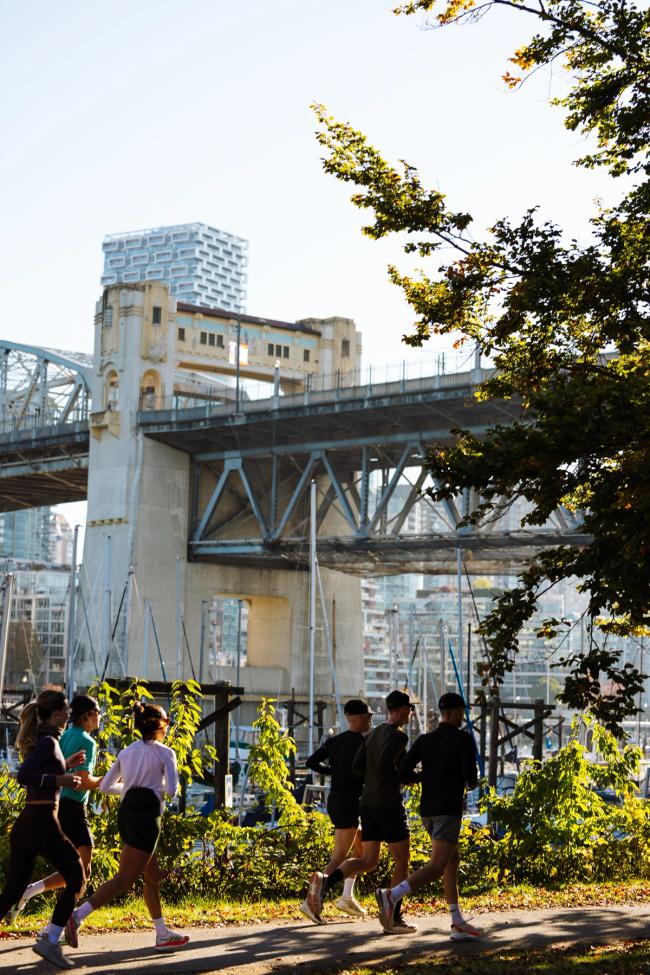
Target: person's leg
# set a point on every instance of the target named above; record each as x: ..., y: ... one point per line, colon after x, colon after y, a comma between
x: 461, y: 930
x: 320, y: 885
x: 55, y: 880
x: 20, y: 866
x: 166, y: 939
x: 343, y: 841
x: 132, y: 864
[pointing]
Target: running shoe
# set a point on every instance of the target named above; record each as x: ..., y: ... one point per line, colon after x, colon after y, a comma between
x: 386, y: 908
x: 351, y: 906
x: 465, y: 932
x: 71, y: 932
x: 52, y: 953
x: 400, y: 926
x: 305, y: 909
x: 171, y: 941
x: 315, y: 893
x: 17, y: 910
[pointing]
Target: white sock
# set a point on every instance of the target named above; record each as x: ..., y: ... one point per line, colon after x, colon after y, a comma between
x: 33, y: 889
x: 161, y: 928
x: 348, y: 887
x: 398, y: 892
x: 83, y: 911
x: 456, y: 916
x: 54, y: 933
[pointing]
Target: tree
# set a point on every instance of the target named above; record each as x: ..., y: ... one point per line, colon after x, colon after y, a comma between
x: 567, y: 326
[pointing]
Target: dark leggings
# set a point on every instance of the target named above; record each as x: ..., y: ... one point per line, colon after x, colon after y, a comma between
x: 37, y: 831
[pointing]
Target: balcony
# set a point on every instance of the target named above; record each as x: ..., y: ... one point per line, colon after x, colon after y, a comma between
x: 105, y: 420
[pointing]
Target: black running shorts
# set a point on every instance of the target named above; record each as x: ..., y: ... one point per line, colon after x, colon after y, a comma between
x: 343, y: 810
x: 384, y: 825
x: 74, y: 822
x: 139, y: 819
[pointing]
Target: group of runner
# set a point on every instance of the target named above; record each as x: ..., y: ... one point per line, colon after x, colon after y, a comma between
x: 365, y: 804
x: 54, y: 824
x: 367, y: 808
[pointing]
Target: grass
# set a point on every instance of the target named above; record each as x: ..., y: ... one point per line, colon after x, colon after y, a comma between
x: 206, y: 912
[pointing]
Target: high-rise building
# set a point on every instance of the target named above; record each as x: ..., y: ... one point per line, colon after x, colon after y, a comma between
x: 200, y: 264
x: 26, y: 534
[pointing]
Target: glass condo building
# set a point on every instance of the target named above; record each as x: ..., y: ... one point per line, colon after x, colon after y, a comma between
x: 200, y: 264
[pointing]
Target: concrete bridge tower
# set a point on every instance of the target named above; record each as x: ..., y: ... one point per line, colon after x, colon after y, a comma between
x: 139, y: 503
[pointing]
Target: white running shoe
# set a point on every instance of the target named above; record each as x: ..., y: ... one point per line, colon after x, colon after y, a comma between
x: 172, y: 941
x: 351, y: 906
x: 52, y: 953
x: 17, y: 910
x: 305, y: 909
x: 465, y: 932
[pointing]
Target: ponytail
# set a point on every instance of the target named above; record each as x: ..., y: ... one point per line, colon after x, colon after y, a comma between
x: 32, y: 714
x: 26, y: 737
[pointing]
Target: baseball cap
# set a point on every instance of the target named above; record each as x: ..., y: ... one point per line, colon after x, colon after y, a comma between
x: 450, y: 701
x: 398, y: 699
x: 356, y: 706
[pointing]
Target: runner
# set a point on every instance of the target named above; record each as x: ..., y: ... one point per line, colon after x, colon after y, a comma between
x: 37, y: 829
x: 383, y: 817
x: 84, y: 717
x: 335, y: 757
x: 448, y: 759
x: 141, y: 775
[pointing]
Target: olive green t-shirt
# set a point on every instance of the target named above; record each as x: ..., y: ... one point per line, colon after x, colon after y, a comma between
x: 377, y: 761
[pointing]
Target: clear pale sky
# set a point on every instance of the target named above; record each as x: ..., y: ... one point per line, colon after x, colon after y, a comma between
x: 124, y: 114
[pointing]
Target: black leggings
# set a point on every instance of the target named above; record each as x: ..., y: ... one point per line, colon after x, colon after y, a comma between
x: 37, y: 831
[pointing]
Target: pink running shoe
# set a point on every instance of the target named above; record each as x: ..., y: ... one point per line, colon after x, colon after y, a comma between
x: 465, y: 932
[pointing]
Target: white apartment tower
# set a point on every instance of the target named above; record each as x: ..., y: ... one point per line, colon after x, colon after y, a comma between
x: 201, y: 265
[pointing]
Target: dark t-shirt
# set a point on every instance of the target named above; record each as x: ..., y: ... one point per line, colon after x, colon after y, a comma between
x: 448, y: 759
x: 377, y: 761
x: 45, y: 761
x: 334, y: 757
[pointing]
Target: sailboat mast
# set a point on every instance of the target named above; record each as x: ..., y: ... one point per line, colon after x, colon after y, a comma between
x: 312, y: 610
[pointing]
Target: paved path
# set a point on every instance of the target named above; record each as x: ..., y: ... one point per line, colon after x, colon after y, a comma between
x: 301, y: 947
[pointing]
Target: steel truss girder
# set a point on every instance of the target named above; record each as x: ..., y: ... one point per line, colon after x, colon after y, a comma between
x: 269, y: 521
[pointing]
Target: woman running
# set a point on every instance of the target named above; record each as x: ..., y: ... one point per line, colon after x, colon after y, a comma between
x: 37, y: 829
x: 84, y: 718
x: 141, y: 775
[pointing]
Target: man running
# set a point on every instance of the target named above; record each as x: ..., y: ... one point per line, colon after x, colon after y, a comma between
x: 448, y: 759
x: 383, y: 816
x: 335, y: 757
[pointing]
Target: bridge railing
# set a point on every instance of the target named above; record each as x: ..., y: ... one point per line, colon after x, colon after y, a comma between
x: 364, y: 384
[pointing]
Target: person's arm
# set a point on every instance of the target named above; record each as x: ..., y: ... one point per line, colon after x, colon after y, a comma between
x: 316, y: 762
x: 171, y: 772
x: 110, y: 784
x: 408, y: 763
x: 468, y: 761
x: 30, y: 771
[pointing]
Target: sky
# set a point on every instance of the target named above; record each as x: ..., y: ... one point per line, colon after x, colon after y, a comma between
x: 124, y: 114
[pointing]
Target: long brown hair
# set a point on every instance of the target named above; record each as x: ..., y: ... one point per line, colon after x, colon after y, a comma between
x: 49, y: 700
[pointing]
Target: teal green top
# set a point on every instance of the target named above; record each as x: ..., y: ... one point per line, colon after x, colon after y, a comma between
x: 73, y: 740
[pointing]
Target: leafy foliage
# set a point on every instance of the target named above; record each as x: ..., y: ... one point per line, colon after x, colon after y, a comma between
x: 566, y: 325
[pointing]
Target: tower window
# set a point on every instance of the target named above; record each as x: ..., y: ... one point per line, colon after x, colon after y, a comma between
x: 278, y: 351
x: 211, y: 338
x: 305, y: 355
x: 220, y: 341
x: 345, y: 348
x: 270, y: 348
x: 157, y: 315
x: 204, y: 338
x: 181, y: 335
x: 285, y: 351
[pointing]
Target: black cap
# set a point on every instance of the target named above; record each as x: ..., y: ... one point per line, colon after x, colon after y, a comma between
x: 450, y: 701
x: 398, y: 699
x: 356, y: 706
